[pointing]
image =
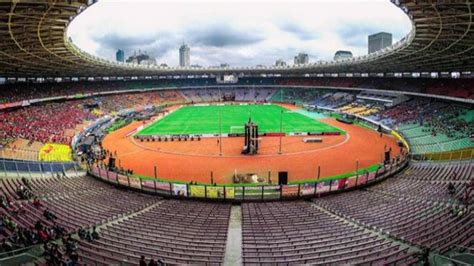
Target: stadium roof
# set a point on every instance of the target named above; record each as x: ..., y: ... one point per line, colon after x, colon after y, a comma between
x: 34, y: 44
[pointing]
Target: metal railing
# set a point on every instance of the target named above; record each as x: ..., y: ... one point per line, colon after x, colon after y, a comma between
x: 253, y: 192
x: 440, y: 260
x: 21, y: 256
x: 20, y: 168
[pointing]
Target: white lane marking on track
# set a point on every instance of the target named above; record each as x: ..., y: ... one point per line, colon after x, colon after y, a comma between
x: 240, y: 156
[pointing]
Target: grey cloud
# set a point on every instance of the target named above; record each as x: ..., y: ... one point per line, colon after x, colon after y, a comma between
x: 218, y: 35
x: 215, y: 56
x: 222, y: 35
x: 356, y: 34
x: 162, y: 46
x: 209, y: 45
x: 117, y: 40
x: 298, y: 30
x: 155, y: 44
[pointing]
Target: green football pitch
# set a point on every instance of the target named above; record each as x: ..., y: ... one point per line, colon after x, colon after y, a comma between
x: 205, y: 120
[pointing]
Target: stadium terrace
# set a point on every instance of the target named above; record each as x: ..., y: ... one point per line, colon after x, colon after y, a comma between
x: 359, y: 161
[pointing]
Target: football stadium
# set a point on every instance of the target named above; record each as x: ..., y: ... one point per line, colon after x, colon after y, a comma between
x: 359, y: 160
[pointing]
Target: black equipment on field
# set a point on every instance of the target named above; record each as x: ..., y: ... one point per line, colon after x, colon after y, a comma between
x: 111, y: 163
x: 251, y: 138
x: 282, y: 178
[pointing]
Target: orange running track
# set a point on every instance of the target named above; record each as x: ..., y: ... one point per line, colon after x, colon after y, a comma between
x: 194, y: 160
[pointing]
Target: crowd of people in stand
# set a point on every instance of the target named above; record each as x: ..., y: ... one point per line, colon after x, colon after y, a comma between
x: 49, y: 122
x: 114, y: 103
x: 435, y: 117
x: 43, y: 123
x: 10, y: 93
x: 463, y: 88
x: 27, y: 91
x: 464, y: 200
x: 16, y: 236
x: 449, y: 122
x: 406, y: 112
x: 61, y: 253
x: 59, y: 245
x: 152, y: 262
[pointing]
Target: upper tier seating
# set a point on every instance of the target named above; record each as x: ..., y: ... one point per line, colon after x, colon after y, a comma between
x: 298, y: 96
x: 43, y: 123
x: 446, y: 127
x: 218, y: 95
x: 430, y: 126
x: 22, y: 149
x: 26, y: 91
x: 422, y: 140
x: 462, y: 88
x: 359, y: 109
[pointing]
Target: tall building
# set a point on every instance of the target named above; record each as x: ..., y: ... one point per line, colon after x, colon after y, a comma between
x: 301, y: 59
x: 142, y: 58
x: 280, y: 62
x: 184, y: 55
x: 379, y: 41
x: 342, y: 55
x: 120, y: 55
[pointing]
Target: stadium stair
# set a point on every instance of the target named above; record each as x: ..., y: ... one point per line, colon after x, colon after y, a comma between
x: 233, y: 251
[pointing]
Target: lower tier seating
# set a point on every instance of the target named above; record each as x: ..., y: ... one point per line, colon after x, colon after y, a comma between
x: 388, y: 223
x: 299, y: 233
x: 425, y: 223
x: 177, y: 232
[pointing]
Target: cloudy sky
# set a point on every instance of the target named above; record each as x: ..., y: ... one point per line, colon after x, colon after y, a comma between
x: 237, y: 32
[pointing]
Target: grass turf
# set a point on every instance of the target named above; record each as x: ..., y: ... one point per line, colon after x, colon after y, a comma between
x: 205, y: 120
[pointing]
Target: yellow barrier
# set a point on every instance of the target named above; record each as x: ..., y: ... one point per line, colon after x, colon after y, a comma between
x: 197, y: 191
x: 51, y: 152
x: 400, y: 138
x: 97, y: 112
x: 450, y: 155
x: 215, y: 192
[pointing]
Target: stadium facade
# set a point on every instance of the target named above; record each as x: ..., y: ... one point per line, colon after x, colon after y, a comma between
x: 35, y: 44
x: 405, y: 209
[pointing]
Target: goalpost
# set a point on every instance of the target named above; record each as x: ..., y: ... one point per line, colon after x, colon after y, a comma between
x: 236, y: 129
